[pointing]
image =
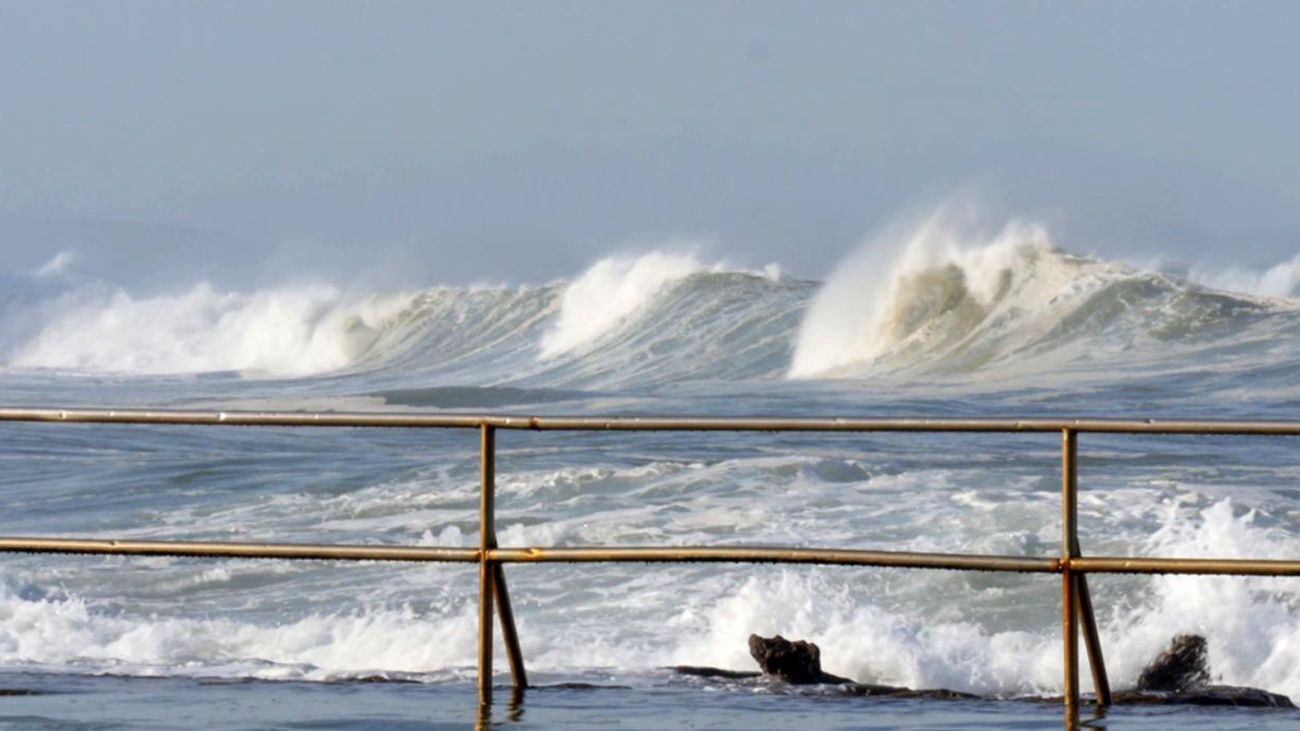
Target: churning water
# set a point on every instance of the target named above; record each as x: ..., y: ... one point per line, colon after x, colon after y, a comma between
x: 944, y: 323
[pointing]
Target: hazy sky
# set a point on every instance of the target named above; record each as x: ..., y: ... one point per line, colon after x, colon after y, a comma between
x: 519, y: 140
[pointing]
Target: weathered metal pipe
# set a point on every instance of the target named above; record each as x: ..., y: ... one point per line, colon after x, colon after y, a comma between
x: 1092, y: 640
x: 1069, y: 548
x: 721, y: 554
x: 490, y: 570
x: 1189, y: 566
x: 514, y: 655
x: 487, y: 541
x: 444, y: 420
x: 205, y: 549
x: 688, y: 554
x: 1082, y: 604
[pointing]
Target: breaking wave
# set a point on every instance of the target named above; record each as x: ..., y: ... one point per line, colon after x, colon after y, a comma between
x: 1279, y: 280
x: 942, y: 297
x: 939, y: 297
x: 657, y: 317
x: 608, y: 293
x: 286, y: 332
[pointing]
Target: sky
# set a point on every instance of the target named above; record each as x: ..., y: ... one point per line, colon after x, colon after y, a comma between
x: 458, y: 142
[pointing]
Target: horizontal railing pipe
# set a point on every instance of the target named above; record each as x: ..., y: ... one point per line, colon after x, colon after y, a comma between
x: 303, y: 551
x: 651, y: 554
x: 1189, y: 566
x: 740, y: 554
x: 441, y: 420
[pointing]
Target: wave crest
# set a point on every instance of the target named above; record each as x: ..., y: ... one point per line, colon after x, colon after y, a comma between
x: 937, y: 298
x: 612, y: 290
x: 1280, y: 280
x: 949, y: 299
x: 290, y: 331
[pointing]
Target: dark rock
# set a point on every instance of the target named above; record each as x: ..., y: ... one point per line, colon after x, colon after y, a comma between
x: 578, y: 686
x: 1180, y: 668
x: 873, y: 689
x: 890, y: 691
x: 846, y: 688
x: 797, y: 663
x: 384, y: 679
x: 703, y: 671
x: 1181, y: 676
x: 1209, y: 695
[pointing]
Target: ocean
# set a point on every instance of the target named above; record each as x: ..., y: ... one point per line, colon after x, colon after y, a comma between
x: 938, y: 325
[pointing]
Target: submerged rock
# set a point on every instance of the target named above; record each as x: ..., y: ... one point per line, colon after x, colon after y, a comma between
x: 1182, y: 667
x: 572, y: 685
x: 704, y: 671
x: 797, y: 663
x: 1209, y: 695
x: 891, y: 691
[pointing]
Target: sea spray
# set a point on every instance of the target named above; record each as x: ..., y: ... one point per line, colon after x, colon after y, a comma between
x: 1280, y: 280
x: 607, y: 293
x: 943, y: 297
x: 280, y: 332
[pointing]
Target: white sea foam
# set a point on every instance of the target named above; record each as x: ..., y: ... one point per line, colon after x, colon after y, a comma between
x: 937, y: 281
x: 1280, y: 280
x: 282, y: 332
x: 939, y: 296
x: 942, y: 296
x: 874, y: 626
x: 1251, y: 625
x: 289, y: 330
x: 67, y: 632
x: 612, y: 290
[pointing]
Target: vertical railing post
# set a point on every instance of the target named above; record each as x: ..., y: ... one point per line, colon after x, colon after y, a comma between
x: 1069, y: 549
x: 1083, y: 613
x: 492, y: 582
x: 515, y: 656
x: 1091, y: 639
x: 487, y: 541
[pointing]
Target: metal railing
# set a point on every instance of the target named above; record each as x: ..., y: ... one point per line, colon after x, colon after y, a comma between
x: 1073, y: 567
